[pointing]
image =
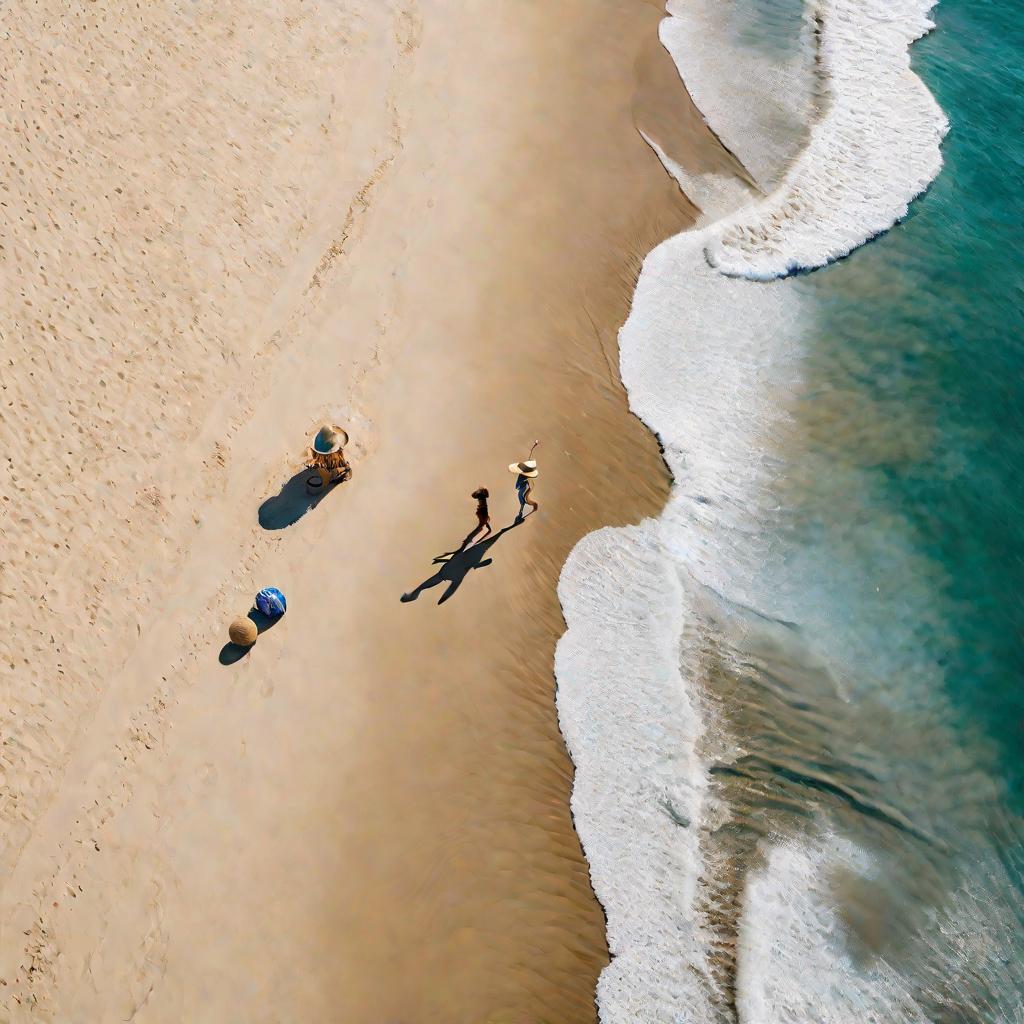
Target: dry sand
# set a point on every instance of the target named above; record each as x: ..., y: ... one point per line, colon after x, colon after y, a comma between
x: 221, y: 226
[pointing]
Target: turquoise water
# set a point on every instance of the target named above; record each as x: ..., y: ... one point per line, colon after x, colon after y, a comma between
x: 901, y: 543
x: 875, y: 698
x: 838, y: 568
x: 965, y: 346
x: 926, y: 328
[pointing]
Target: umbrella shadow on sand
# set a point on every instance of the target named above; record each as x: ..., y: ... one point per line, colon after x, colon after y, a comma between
x: 231, y: 652
x: 456, y: 566
x: 292, y: 502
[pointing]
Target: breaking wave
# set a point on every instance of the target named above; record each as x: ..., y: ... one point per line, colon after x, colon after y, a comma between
x: 750, y: 859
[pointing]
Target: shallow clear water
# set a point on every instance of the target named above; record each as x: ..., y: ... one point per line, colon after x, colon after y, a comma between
x: 810, y: 728
x: 925, y: 330
x: 772, y: 26
x: 893, y: 709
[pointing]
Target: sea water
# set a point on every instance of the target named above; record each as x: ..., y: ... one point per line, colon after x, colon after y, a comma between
x: 795, y: 701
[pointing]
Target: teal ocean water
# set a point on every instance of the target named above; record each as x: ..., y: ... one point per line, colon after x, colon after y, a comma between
x: 925, y: 327
x: 799, y: 776
x: 903, y: 534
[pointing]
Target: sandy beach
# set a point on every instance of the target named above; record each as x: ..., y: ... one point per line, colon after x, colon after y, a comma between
x: 222, y: 228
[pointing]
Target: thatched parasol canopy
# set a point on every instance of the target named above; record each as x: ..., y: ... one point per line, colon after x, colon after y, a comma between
x: 328, y: 453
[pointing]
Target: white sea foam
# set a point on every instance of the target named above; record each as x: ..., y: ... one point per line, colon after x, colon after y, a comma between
x: 799, y: 968
x: 875, y: 148
x: 631, y: 730
x: 707, y: 355
x: 631, y: 720
x: 759, y: 100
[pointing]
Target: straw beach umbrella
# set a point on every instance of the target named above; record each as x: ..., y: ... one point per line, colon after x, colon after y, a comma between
x: 328, y: 452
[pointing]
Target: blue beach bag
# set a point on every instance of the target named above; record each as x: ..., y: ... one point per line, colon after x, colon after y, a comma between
x: 270, y: 601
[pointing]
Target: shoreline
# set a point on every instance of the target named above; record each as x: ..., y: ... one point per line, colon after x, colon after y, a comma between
x: 696, y: 853
x: 368, y: 816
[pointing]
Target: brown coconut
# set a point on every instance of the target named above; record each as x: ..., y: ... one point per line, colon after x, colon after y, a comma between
x: 243, y: 632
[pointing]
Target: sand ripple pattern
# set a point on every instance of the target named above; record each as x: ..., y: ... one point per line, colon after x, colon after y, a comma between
x: 137, y: 234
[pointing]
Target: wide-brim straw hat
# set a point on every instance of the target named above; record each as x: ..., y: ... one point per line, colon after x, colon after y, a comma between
x: 329, y: 440
x: 528, y: 469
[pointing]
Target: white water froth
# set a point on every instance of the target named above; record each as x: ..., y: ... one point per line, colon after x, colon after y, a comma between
x: 628, y: 711
x: 874, y: 150
x: 707, y: 356
x: 639, y: 786
x: 758, y: 100
x: 799, y: 968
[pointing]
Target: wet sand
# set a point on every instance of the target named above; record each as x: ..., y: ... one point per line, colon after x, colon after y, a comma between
x: 366, y: 819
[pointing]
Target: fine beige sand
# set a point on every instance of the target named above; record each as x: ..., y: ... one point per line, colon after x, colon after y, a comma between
x: 223, y: 224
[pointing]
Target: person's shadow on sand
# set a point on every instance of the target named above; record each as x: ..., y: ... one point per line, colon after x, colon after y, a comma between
x: 292, y: 502
x: 457, y: 564
x: 232, y: 652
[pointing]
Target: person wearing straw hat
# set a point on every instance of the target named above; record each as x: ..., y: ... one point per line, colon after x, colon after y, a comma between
x: 525, y: 471
x: 328, y: 454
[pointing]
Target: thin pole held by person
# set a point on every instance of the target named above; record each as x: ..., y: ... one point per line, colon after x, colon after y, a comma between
x: 526, y: 472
